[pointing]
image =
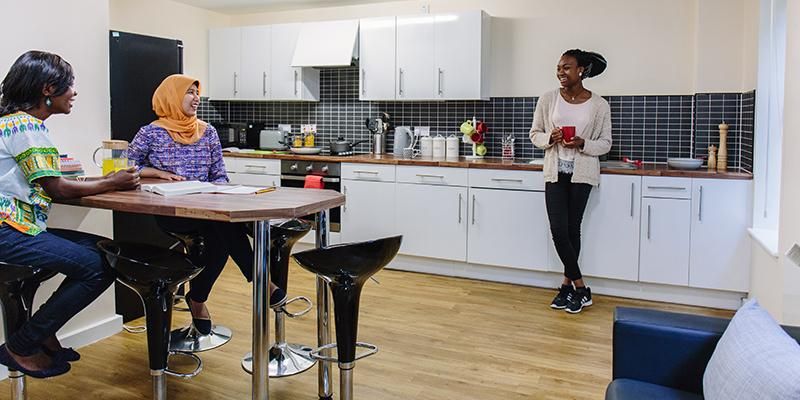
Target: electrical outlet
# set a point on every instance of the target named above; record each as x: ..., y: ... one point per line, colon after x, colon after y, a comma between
x: 425, y: 8
x: 794, y: 254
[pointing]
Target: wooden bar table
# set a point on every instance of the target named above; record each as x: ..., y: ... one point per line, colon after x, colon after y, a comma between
x: 259, y: 208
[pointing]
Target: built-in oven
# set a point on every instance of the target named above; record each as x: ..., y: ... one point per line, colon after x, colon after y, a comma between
x: 293, y: 174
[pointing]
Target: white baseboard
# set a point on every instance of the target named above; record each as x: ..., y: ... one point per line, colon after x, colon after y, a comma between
x: 546, y: 279
x: 86, y: 336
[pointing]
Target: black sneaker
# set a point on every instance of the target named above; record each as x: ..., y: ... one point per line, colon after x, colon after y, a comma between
x: 563, y: 297
x: 581, y: 298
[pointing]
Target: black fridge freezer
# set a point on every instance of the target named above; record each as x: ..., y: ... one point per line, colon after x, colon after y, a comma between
x: 138, y: 64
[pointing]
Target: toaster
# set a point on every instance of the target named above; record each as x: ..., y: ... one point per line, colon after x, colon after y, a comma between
x: 271, y: 140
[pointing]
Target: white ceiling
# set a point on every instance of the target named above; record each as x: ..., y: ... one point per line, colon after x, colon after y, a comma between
x: 240, y: 6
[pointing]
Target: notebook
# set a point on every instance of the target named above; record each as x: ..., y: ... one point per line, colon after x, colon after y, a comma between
x: 195, y: 187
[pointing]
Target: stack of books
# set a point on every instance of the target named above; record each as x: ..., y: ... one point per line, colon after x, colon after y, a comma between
x: 70, y: 167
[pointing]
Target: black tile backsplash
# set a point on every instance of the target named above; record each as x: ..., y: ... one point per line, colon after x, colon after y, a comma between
x: 648, y: 128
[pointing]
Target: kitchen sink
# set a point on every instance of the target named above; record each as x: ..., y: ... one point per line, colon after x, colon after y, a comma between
x: 616, y: 165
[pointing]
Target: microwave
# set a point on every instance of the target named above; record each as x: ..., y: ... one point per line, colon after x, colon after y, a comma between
x: 232, y: 134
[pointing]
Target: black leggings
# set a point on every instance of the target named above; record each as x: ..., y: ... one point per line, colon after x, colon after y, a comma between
x: 566, y: 202
x: 222, y: 239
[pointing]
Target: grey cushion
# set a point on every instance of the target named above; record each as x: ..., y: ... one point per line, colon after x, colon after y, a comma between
x: 754, y: 359
x: 631, y: 389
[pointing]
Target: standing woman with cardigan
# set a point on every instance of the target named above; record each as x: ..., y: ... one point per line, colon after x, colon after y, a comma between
x: 571, y: 167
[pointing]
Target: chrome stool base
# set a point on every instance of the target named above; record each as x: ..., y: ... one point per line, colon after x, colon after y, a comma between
x: 189, y: 340
x: 284, y: 360
x: 18, y: 389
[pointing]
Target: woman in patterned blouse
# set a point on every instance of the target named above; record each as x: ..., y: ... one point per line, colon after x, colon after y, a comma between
x: 179, y: 146
x: 37, y: 86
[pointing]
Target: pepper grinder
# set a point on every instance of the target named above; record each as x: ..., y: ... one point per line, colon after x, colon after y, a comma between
x: 722, y: 155
x: 712, y: 158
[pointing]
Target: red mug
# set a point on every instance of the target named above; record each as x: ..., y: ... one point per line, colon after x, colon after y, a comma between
x: 568, y: 133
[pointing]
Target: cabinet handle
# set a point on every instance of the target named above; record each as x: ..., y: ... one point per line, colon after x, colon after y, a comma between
x: 430, y: 176
x: 632, y: 189
x: 295, y: 82
x: 666, y: 188
x: 235, y: 83
x: 344, y: 192
x: 648, y: 222
x: 441, y: 72
x: 359, y: 171
x: 400, y: 83
x: 363, y: 82
x: 255, y: 166
x: 507, y: 180
x: 700, y: 211
x: 459, y: 208
x: 264, y: 84
x: 473, y: 209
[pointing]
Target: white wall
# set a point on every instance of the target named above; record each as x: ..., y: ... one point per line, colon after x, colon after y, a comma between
x: 789, y: 225
x: 78, y: 31
x: 168, y: 19
x: 775, y: 280
x: 653, y: 46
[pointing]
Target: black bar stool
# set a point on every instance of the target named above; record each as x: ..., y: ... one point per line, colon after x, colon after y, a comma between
x: 154, y: 273
x: 346, y: 268
x: 285, y: 359
x: 18, y: 285
x: 188, y: 339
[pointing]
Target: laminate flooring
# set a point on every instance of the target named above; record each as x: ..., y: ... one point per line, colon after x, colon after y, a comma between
x: 439, y: 337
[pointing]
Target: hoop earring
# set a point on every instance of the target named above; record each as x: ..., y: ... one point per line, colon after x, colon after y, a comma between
x: 48, y: 102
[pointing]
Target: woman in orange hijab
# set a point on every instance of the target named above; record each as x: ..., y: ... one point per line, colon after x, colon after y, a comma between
x: 178, y: 146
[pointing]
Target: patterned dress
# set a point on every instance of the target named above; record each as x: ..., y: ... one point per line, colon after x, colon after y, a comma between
x: 26, y: 154
x: 200, y: 161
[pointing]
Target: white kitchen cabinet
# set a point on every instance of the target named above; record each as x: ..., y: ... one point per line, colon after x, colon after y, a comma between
x: 290, y: 83
x: 416, y: 58
x: 443, y: 56
x: 369, y: 212
x: 507, y: 228
x: 433, y: 220
x: 720, y: 250
x: 462, y: 55
x: 377, y: 58
x: 224, y: 63
x: 664, y: 241
x: 610, y: 229
x: 255, y: 63
x: 241, y: 178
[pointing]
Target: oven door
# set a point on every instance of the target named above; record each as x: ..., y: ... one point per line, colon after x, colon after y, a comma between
x: 332, y: 183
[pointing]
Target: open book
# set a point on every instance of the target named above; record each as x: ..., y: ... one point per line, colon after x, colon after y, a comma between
x: 193, y: 187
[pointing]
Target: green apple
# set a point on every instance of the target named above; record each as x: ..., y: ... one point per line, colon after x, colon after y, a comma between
x: 480, y: 150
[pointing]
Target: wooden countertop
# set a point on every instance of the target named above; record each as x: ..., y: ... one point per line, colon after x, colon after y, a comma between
x: 495, y: 163
x: 281, y: 203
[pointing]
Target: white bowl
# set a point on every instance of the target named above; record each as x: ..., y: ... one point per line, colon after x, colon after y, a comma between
x: 305, y: 150
x: 684, y: 163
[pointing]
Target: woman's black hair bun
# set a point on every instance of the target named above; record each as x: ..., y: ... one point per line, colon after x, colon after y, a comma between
x: 593, y: 63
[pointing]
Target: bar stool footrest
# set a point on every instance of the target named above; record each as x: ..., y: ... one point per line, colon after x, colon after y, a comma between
x: 372, y: 349
x: 304, y: 299
x: 185, y: 375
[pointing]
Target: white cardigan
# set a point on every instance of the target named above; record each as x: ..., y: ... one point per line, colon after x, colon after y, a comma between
x: 597, y: 137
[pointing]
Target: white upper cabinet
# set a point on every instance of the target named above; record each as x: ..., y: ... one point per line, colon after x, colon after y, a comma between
x: 255, y: 66
x: 377, y: 58
x: 462, y: 55
x: 416, y: 58
x: 720, y: 254
x: 442, y: 57
x: 254, y: 63
x: 290, y: 83
x: 224, y: 63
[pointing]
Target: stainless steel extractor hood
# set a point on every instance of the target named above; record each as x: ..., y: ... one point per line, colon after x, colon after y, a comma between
x: 327, y: 44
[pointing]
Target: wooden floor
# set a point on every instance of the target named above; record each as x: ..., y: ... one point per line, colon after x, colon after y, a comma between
x: 440, y: 338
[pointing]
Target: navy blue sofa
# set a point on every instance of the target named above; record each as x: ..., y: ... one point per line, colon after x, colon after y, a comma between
x: 662, y: 355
